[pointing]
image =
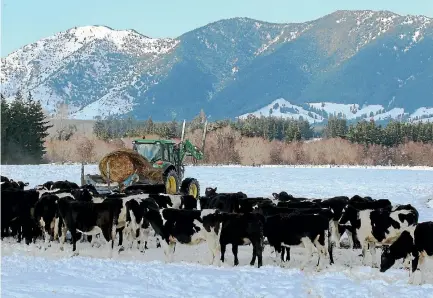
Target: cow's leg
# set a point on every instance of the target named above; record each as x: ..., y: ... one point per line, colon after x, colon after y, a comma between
x: 64, y: 230
x: 287, y: 253
x: 364, y: 246
x: 320, y: 244
x: 144, y: 237
x: 418, y: 265
x: 235, y: 254
x: 335, y: 235
x: 253, y: 259
x: 223, y: 251
x: 257, y: 251
x: 372, y: 249
x: 349, y: 238
x: 282, y: 253
x: 330, y: 252
x: 168, y: 250
x: 407, y: 262
x: 74, y: 240
x: 414, y: 269
x: 308, y: 244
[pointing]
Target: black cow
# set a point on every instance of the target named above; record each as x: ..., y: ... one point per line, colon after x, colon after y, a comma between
x: 224, y: 202
x: 91, y: 218
x: 211, y: 192
x: 188, y: 202
x: 247, y: 205
x: 377, y: 227
x: 415, y: 243
x: 16, y: 213
x: 238, y: 229
x: 285, y: 197
x: 301, y: 204
x: 11, y: 184
x: 145, y: 189
x: 309, y: 230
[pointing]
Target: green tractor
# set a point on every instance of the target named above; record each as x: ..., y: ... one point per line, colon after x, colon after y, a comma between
x: 167, y: 155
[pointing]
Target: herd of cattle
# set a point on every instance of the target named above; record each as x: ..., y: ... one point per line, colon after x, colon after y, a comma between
x: 50, y: 210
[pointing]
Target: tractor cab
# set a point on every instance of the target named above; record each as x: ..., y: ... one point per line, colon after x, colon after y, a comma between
x: 155, y: 150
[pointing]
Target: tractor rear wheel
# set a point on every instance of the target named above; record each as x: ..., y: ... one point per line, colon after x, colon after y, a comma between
x: 172, y: 182
x: 190, y: 186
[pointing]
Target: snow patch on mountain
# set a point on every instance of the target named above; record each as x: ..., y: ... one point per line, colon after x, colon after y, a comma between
x: 395, y: 113
x: 420, y: 112
x: 114, y: 103
x: 284, y: 109
x: 324, y: 110
x: 349, y: 111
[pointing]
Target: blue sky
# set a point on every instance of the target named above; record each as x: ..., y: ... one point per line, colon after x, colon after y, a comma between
x: 26, y: 21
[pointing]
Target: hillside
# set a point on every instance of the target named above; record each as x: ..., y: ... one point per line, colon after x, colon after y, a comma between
x: 357, y: 64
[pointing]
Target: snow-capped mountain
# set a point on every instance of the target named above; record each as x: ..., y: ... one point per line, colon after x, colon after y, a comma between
x: 363, y: 64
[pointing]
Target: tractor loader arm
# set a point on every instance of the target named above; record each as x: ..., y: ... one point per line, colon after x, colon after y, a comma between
x: 188, y: 149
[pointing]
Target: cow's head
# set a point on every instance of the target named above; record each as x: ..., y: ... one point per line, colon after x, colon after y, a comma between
x: 349, y: 214
x: 210, y: 191
x: 387, y: 259
x: 213, y: 220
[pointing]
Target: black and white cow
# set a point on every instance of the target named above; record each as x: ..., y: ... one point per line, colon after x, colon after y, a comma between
x: 360, y: 203
x: 269, y: 210
x: 185, y: 227
x: 337, y: 205
x: 307, y: 230
x: 91, y: 218
x: 377, y: 227
x: 238, y: 229
x: 46, y: 214
x: 415, y: 243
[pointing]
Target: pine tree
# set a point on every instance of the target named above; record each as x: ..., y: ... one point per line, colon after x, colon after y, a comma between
x: 5, y: 135
x: 37, y: 130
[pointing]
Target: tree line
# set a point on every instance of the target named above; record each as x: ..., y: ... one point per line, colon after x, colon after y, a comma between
x: 23, y: 130
x: 270, y: 128
x: 369, y: 133
x: 273, y: 128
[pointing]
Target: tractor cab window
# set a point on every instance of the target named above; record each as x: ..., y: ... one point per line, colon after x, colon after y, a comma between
x: 151, y: 152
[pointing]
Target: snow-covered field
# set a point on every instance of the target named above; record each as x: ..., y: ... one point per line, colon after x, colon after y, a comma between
x: 29, y: 272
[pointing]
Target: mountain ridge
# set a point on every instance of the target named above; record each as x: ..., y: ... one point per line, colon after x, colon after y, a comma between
x: 231, y: 67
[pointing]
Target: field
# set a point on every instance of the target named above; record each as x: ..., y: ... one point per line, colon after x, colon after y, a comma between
x: 30, y: 272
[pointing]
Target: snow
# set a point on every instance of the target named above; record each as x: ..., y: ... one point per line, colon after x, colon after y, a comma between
x: 51, y: 272
x: 276, y: 106
x: 393, y: 114
x: 351, y: 111
x: 113, y: 103
x: 423, y: 111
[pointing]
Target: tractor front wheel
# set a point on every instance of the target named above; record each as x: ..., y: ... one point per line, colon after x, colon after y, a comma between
x: 172, y: 182
x: 190, y: 186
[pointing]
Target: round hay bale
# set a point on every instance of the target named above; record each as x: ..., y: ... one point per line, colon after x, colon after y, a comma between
x: 125, y: 162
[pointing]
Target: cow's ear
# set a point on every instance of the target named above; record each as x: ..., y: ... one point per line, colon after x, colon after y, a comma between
x: 275, y: 195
